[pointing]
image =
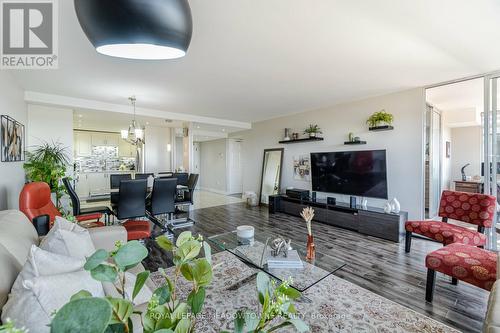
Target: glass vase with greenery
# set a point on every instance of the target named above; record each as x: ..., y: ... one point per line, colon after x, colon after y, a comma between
x: 48, y: 163
x: 379, y: 118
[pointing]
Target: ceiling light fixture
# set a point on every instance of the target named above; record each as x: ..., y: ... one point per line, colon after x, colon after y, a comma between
x: 137, y: 29
x: 135, y: 133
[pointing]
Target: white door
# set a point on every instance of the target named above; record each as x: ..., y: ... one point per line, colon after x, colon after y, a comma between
x: 235, y: 173
x: 196, y: 160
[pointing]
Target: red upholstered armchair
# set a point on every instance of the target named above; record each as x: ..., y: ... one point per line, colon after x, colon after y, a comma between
x: 474, y: 208
x: 35, y: 201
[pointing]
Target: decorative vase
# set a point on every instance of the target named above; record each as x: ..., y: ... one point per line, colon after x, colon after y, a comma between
x: 287, y: 134
x: 312, y: 134
x: 311, y: 248
x: 395, y: 205
x: 387, y: 207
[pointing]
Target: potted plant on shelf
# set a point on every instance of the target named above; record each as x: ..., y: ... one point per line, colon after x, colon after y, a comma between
x: 380, y: 120
x: 47, y: 163
x: 313, y: 130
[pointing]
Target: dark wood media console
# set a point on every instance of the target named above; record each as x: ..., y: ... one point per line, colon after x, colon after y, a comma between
x: 369, y: 221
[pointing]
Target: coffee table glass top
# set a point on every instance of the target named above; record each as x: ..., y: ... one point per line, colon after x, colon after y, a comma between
x: 302, y: 278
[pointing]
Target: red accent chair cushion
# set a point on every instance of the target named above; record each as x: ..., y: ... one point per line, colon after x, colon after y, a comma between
x: 446, y: 233
x: 474, y: 208
x: 89, y: 217
x: 466, y: 263
x: 137, y: 229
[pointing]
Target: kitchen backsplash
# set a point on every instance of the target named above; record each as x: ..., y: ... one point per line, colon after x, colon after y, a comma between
x: 104, y: 158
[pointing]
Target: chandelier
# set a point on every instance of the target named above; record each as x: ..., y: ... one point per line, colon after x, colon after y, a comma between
x: 135, y: 133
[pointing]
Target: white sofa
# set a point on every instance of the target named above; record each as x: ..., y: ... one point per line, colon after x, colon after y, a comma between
x: 17, y: 235
x: 492, y: 319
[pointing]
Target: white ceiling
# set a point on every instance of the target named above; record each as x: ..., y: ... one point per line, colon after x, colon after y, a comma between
x: 251, y: 60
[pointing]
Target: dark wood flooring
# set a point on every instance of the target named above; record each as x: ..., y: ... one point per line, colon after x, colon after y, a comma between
x: 380, y: 266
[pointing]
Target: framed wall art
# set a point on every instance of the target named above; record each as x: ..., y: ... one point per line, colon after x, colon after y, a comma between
x: 13, y: 140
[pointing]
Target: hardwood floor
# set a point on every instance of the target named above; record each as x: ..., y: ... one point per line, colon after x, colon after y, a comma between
x: 377, y: 265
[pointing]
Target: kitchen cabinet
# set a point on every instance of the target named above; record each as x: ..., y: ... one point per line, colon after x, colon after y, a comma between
x: 105, y: 139
x: 126, y: 149
x: 82, y: 144
x: 98, y: 183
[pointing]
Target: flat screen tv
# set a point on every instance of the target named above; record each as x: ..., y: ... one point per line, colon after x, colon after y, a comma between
x: 357, y: 173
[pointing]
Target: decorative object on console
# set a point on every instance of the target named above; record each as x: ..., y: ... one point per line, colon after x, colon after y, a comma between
x: 395, y: 206
x: 302, y: 168
x: 13, y: 140
x: 308, y: 214
x: 160, y: 30
x: 364, y: 203
x: 387, y: 207
x: 287, y: 134
x: 380, y: 121
x: 245, y: 234
x: 313, y: 130
x: 462, y: 171
x: 354, y: 140
x: 295, y: 136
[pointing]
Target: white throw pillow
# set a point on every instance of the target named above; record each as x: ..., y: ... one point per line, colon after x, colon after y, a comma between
x: 144, y: 296
x: 68, y: 239
x: 33, y: 305
x: 41, y: 262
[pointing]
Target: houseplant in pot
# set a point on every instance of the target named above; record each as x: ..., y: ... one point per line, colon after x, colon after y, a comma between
x: 313, y: 130
x: 380, y: 120
x: 48, y: 163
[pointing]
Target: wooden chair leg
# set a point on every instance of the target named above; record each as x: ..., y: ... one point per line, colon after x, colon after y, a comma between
x: 454, y: 281
x: 429, y: 290
x: 408, y: 241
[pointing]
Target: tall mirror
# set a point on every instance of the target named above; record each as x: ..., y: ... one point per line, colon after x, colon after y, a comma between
x: 271, y: 174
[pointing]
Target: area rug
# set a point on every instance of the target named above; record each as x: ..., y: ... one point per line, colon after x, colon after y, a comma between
x: 332, y: 305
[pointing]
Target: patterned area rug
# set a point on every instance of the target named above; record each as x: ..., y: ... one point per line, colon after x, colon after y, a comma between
x: 333, y: 305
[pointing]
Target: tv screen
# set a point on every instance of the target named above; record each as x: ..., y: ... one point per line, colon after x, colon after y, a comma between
x: 359, y: 173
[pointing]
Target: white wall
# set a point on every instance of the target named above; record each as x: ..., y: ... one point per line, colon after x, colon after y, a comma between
x: 403, y: 144
x: 11, y: 104
x: 465, y: 148
x: 157, y: 157
x: 50, y: 124
x: 213, y: 166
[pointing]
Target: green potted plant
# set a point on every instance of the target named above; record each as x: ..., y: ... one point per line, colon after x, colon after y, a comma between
x: 48, y: 163
x: 312, y: 130
x: 380, y: 119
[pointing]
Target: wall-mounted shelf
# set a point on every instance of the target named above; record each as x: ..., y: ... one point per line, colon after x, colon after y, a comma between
x: 302, y: 140
x: 381, y: 128
x: 355, y: 143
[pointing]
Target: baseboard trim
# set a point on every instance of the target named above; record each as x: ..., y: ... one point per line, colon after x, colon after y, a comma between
x: 213, y: 190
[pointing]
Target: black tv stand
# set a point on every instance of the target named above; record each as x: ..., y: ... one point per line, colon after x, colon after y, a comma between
x: 370, y: 221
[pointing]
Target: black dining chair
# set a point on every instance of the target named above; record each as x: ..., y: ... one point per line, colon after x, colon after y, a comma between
x: 75, y: 202
x: 185, y: 200
x: 115, y: 180
x: 161, y: 204
x: 182, y: 178
x: 143, y: 175
x: 131, y: 207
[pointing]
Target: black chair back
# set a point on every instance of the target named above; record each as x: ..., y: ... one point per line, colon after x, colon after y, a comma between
x: 75, y: 201
x: 192, y: 181
x: 115, y: 179
x: 182, y: 178
x: 163, y: 196
x: 143, y: 175
x: 132, y: 199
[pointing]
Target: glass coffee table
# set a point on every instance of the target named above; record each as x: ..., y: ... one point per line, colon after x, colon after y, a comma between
x: 255, y: 254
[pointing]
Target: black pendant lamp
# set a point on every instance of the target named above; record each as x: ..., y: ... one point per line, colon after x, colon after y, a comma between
x: 137, y: 29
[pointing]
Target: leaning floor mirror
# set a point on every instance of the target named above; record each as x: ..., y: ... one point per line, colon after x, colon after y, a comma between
x: 271, y: 174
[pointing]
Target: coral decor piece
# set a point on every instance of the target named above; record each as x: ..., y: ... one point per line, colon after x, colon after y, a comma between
x: 308, y: 214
